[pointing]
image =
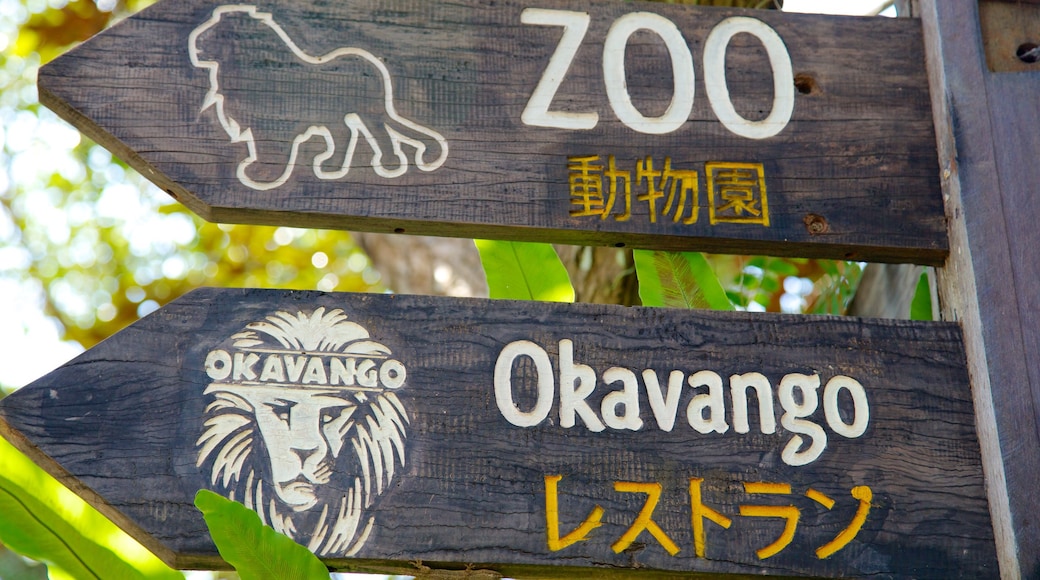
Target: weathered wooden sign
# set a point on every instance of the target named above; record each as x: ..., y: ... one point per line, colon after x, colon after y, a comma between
x: 607, y: 123
x: 380, y: 430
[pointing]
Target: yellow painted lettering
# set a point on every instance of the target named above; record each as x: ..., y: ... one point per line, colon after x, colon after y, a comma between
x: 552, y: 518
x: 865, y: 496
x: 788, y: 513
x: 698, y: 512
x: 644, y: 520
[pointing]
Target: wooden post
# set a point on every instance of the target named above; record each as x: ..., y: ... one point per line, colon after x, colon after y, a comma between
x: 988, y: 135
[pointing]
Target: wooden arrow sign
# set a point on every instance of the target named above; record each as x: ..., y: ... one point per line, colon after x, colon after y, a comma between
x: 605, y: 123
x: 513, y: 436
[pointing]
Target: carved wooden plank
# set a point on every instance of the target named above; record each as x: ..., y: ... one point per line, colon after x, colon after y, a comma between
x: 486, y: 432
x: 606, y: 123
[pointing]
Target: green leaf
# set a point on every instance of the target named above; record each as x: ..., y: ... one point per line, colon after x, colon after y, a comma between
x: 679, y: 280
x: 24, y: 530
x: 42, y: 519
x: 256, y: 551
x: 781, y: 267
x: 524, y: 271
x: 921, y: 306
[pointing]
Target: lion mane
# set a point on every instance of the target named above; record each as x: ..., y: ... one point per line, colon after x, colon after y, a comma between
x: 371, y: 445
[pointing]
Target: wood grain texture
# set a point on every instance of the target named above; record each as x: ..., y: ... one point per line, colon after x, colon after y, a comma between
x: 123, y: 420
x: 854, y: 175
x: 988, y: 137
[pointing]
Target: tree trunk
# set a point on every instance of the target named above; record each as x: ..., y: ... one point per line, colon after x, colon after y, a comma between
x: 426, y: 264
x: 601, y: 275
x: 886, y: 291
x: 451, y: 267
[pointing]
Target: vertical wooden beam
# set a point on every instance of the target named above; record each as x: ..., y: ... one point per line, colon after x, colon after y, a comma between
x: 988, y: 131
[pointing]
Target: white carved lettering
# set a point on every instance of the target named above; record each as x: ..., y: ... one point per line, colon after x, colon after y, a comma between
x: 504, y: 383
x: 664, y: 406
x: 218, y: 365
x: 617, y: 85
x: 343, y: 371
x: 861, y: 414
x: 242, y: 368
x: 575, y: 26
x: 294, y: 366
x: 619, y: 409
x: 712, y: 401
x: 794, y: 415
x: 537, y: 113
x: 718, y: 91
x: 627, y: 398
x: 392, y: 374
x: 273, y: 369
x: 738, y: 385
x: 315, y: 373
x: 367, y: 373
x: 577, y: 381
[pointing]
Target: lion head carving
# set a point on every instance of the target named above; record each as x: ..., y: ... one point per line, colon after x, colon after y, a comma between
x: 304, y: 426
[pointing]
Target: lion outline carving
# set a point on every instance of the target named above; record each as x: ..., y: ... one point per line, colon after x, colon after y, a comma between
x: 387, y: 136
x: 308, y: 456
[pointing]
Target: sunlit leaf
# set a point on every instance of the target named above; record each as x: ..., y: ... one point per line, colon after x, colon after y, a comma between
x: 781, y: 267
x: 256, y: 551
x: 737, y: 298
x: 23, y: 528
x: 921, y: 306
x: 524, y: 271
x: 835, y: 290
x: 679, y: 280
x: 770, y: 282
x: 830, y: 267
x: 40, y: 518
